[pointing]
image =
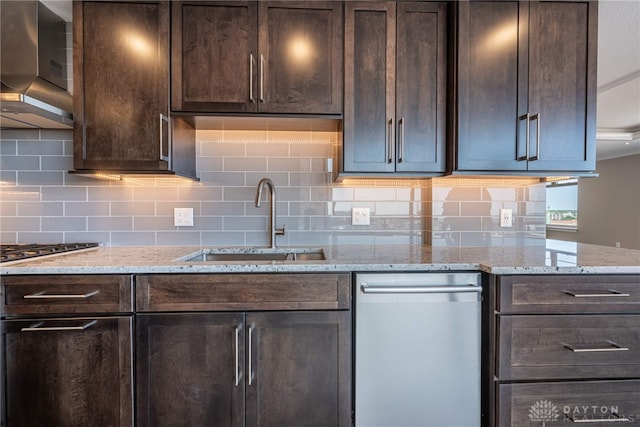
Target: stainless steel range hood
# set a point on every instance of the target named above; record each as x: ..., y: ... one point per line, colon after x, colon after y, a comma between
x: 33, y: 75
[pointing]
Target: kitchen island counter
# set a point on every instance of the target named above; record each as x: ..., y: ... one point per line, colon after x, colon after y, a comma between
x: 556, y: 257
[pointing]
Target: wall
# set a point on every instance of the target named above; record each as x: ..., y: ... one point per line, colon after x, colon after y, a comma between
x: 609, y: 206
x: 41, y: 202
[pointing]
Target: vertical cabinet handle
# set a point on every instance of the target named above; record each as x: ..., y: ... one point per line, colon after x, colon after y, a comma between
x: 164, y: 119
x: 251, y: 62
x: 525, y: 117
x: 389, y: 144
x: 401, y: 125
x: 237, y: 359
x: 261, y: 78
x: 535, y: 117
x: 250, y: 368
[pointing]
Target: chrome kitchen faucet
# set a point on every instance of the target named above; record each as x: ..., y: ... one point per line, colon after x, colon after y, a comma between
x: 272, y: 218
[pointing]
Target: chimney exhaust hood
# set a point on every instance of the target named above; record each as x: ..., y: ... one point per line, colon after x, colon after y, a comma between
x: 33, y: 71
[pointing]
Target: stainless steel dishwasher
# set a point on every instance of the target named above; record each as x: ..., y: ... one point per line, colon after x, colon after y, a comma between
x: 417, y: 350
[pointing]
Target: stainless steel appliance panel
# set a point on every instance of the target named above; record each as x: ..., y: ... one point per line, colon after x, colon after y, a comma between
x: 417, y: 350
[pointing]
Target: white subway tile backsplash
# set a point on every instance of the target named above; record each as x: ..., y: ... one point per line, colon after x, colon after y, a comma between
x: 64, y: 224
x: 40, y: 209
x: 40, y: 200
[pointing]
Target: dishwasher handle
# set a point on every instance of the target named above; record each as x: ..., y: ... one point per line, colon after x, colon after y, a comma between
x: 368, y: 289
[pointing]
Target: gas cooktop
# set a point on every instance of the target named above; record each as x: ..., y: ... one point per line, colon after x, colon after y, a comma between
x: 16, y: 252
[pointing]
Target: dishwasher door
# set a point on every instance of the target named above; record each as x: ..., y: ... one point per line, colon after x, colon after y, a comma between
x: 417, y: 350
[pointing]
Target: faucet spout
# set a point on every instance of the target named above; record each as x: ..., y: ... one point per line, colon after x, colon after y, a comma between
x: 272, y: 217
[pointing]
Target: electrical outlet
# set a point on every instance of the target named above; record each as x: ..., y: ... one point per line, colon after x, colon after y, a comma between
x: 183, y: 217
x: 506, y: 218
x: 360, y: 216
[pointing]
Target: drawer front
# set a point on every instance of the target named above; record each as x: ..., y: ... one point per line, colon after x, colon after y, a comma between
x: 569, y: 294
x: 204, y: 292
x: 595, y: 403
x: 570, y: 346
x: 70, y: 294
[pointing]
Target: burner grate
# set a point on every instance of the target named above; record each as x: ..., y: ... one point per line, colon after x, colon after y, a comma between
x: 15, y: 252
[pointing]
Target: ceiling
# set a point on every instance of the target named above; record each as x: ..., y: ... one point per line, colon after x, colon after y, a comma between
x: 618, y: 118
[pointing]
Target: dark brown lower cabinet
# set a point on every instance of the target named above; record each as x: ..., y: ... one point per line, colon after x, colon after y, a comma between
x: 227, y: 369
x: 596, y: 403
x: 68, y: 372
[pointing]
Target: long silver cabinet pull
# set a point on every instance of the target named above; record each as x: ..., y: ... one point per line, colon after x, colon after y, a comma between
x: 519, y: 158
x: 251, y: 62
x: 367, y: 289
x: 250, y: 358
x: 261, y: 78
x: 39, y: 328
x: 536, y: 117
x: 390, y: 141
x: 619, y: 419
x: 163, y: 119
x: 237, y: 370
x: 598, y: 294
x: 612, y: 347
x: 401, y: 125
x: 43, y: 295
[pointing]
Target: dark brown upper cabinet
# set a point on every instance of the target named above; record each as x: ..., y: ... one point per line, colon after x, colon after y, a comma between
x: 526, y: 87
x: 121, y: 90
x: 257, y: 57
x: 395, y: 87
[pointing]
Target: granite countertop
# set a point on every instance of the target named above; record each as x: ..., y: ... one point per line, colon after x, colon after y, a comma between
x: 556, y: 257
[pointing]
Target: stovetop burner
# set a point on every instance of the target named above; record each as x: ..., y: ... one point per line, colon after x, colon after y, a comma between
x: 15, y: 252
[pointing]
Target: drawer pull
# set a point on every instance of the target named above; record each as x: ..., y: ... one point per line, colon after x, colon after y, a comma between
x: 598, y: 294
x: 576, y: 348
x: 43, y: 295
x: 618, y: 419
x: 37, y: 327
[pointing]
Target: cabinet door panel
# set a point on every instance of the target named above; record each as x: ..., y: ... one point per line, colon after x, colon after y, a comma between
x: 421, y: 86
x: 71, y: 378
x: 490, y: 94
x: 212, y: 47
x: 301, y: 43
x: 121, y: 62
x: 559, y: 85
x: 300, y: 367
x: 186, y: 370
x: 369, y: 87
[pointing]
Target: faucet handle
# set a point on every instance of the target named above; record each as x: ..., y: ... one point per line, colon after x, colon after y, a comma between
x: 280, y: 231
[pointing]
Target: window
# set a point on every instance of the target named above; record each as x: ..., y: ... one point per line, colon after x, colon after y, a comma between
x: 562, y: 204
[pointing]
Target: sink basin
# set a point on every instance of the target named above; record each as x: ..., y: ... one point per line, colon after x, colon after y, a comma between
x: 256, y: 254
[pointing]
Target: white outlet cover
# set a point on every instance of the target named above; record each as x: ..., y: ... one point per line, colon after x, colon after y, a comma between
x: 506, y: 218
x: 360, y: 216
x: 183, y: 217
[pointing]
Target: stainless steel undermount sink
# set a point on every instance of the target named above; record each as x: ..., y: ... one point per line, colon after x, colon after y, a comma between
x: 254, y: 254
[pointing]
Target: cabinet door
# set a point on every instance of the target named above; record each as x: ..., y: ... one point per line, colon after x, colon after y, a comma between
x: 421, y: 86
x: 68, y: 372
x: 562, y: 72
x: 299, y: 369
x: 121, y: 85
x: 214, y: 50
x: 369, y: 99
x: 491, y: 86
x: 300, y: 57
x: 189, y: 370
